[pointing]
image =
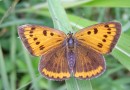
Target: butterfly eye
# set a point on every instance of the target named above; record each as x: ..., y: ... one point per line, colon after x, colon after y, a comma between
x: 70, y: 33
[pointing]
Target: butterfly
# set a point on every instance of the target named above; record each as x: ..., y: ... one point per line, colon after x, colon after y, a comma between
x: 79, y: 55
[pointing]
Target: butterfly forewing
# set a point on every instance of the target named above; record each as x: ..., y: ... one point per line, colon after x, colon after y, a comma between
x: 54, y: 65
x: 88, y: 64
x: 40, y: 39
x: 101, y: 37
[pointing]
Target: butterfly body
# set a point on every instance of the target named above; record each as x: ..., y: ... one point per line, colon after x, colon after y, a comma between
x: 70, y: 51
x: 78, y: 54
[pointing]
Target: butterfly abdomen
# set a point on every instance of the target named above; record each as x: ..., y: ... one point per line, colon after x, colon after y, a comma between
x: 71, y: 59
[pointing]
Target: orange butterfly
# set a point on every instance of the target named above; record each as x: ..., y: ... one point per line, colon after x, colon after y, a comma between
x: 64, y: 55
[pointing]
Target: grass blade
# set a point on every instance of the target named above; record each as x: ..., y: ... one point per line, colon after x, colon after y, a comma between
x: 58, y: 15
x: 13, y: 58
x: 122, y: 51
x: 4, y: 76
x: 61, y: 22
x: 30, y: 70
x: 9, y: 11
x: 110, y: 3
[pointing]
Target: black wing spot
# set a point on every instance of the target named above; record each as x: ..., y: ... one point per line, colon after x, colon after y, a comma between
x: 31, y: 35
x: 95, y: 31
x: 100, y: 45
x: 34, y: 39
x: 51, y: 34
x: 41, y: 47
x: 104, y: 40
x: 108, y: 32
x: 107, y: 26
x: 45, y: 32
x: 105, y: 36
x: 37, y: 43
x: 33, y: 28
x: 89, y: 32
x: 31, y: 31
x: 109, y: 29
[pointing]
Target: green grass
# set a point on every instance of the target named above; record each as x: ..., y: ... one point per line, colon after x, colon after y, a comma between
x: 3, y: 72
x: 19, y: 70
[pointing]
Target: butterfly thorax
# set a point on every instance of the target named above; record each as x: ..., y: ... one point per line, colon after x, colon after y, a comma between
x: 70, y: 41
x: 70, y: 50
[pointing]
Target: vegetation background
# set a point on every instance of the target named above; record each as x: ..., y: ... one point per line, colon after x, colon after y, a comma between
x: 19, y: 70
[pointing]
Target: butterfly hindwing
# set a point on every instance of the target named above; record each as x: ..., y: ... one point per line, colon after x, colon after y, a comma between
x: 101, y: 37
x: 88, y: 64
x: 40, y: 39
x: 54, y: 65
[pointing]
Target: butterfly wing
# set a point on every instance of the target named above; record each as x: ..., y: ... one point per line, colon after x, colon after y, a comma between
x: 100, y: 37
x: 40, y: 39
x: 54, y: 65
x: 88, y: 64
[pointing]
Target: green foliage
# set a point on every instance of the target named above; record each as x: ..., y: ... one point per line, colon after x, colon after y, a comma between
x: 19, y: 70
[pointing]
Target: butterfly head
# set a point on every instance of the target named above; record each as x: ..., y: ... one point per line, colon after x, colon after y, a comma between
x: 70, y: 34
